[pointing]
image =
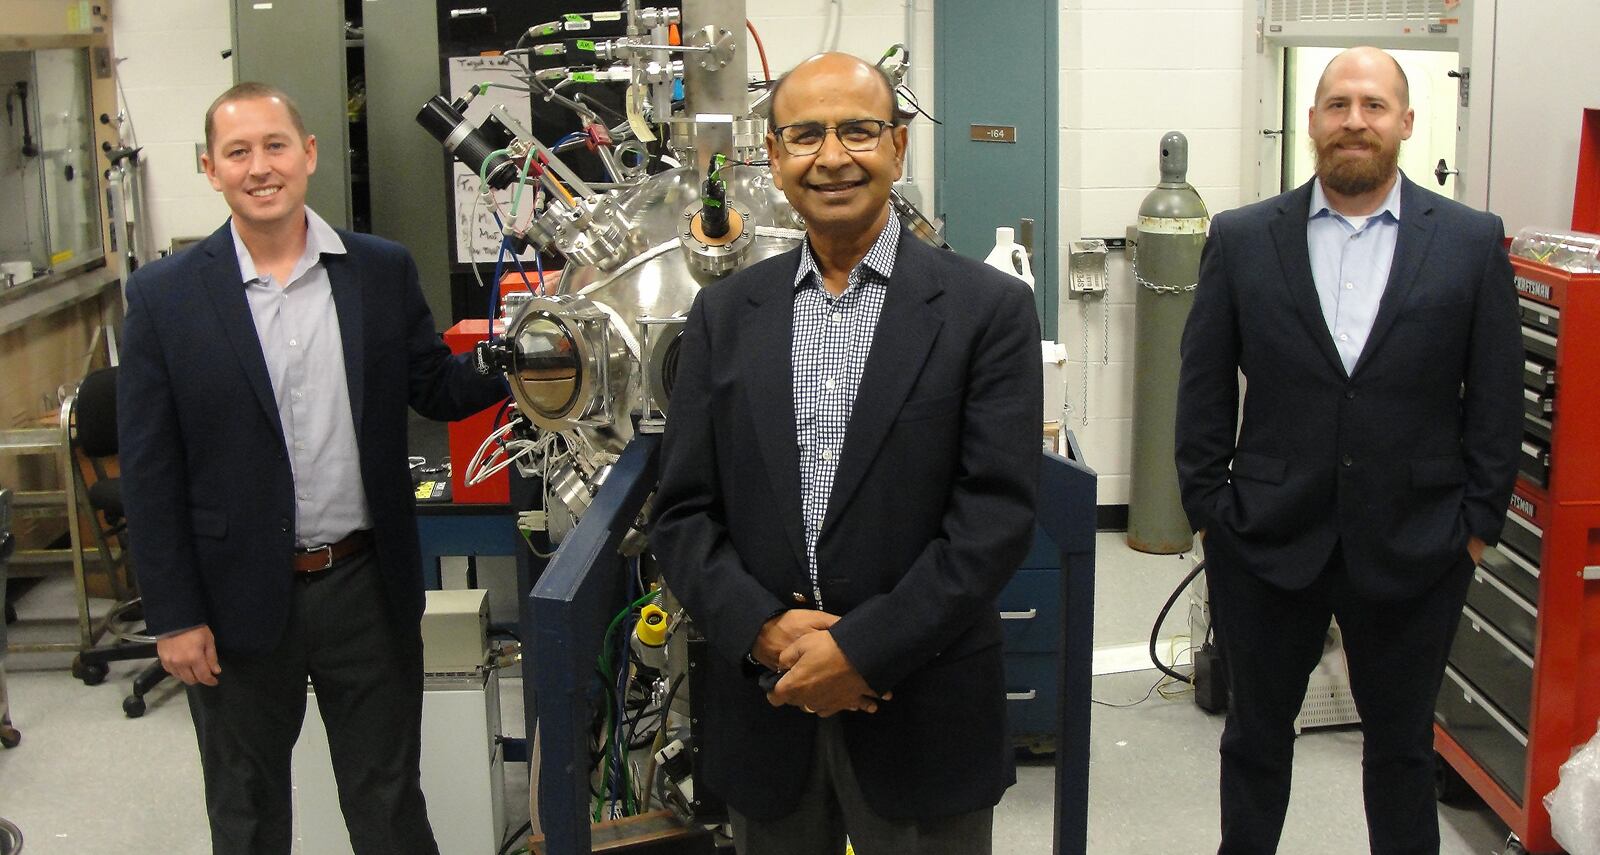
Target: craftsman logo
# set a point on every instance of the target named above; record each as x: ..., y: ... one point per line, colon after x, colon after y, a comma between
x: 1533, y: 288
x: 1523, y: 507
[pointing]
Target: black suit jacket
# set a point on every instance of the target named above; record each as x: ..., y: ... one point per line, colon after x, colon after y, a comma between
x: 1401, y: 460
x: 205, y: 472
x: 931, y: 511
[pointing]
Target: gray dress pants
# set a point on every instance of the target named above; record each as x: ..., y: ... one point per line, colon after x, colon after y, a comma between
x: 368, y: 679
x: 831, y: 807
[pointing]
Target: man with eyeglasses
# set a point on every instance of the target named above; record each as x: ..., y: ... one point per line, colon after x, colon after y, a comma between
x: 848, y: 480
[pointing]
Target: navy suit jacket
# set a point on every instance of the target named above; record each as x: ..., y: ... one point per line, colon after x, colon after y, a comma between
x: 931, y: 512
x: 1400, y: 460
x: 205, y: 473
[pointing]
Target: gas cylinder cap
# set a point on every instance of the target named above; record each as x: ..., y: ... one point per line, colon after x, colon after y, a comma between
x: 1174, y: 158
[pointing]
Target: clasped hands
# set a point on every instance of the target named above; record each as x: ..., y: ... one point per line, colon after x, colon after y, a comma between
x: 817, y: 677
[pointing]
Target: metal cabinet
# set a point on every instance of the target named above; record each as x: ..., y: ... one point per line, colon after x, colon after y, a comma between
x: 1030, y: 611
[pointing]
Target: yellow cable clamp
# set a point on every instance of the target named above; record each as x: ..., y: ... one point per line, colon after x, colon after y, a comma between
x: 652, y: 627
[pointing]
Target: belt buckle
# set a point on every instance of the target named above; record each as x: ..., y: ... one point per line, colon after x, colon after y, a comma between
x: 326, y: 548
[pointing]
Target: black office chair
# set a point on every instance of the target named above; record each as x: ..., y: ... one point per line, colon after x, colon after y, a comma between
x: 92, y: 433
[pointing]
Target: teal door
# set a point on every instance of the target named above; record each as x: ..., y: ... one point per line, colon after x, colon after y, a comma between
x: 996, y: 78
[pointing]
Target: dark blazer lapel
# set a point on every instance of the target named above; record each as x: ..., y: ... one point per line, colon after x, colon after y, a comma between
x: 347, y: 301
x: 906, y: 332
x: 1289, y: 235
x: 1410, y: 248
x: 769, y: 333
x: 223, y: 283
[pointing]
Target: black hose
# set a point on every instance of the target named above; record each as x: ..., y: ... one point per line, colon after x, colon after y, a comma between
x: 1161, y: 618
x: 515, y: 836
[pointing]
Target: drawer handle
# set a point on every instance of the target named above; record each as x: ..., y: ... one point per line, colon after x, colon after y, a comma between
x: 1030, y: 614
x: 1022, y: 696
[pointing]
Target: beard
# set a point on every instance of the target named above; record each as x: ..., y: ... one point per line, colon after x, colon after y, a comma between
x: 1355, y: 176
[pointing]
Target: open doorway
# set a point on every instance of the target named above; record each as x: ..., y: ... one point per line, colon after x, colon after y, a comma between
x: 1433, y: 97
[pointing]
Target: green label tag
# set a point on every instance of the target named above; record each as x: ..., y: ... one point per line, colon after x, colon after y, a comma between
x: 583, y: 76
x: 585, y: 44
x: 574, y: 18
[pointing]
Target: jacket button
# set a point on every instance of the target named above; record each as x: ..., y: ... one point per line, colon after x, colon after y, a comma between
x: 1347, y: 460
x: 283, y: 525
x: 799, y: 598
x: 1350, y: 394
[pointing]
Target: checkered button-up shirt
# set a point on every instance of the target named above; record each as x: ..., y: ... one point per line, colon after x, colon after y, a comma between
x: 832, y: 337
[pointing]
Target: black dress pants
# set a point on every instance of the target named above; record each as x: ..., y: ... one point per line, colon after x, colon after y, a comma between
x: 1271, y: 640
x: 368, y: 677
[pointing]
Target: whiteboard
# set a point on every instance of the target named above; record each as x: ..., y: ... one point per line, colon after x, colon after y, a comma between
x: 477, y: 239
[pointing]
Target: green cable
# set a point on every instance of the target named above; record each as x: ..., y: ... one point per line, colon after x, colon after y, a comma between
x: 604, y: 666
x: 522, y: 179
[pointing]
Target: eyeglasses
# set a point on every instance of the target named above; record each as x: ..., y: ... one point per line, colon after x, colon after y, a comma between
x: 803, y: 139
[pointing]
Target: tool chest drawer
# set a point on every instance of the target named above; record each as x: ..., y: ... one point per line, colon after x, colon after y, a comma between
x: 1516, y: 572
x: 1512, y: 615
x: 1494, y: 665
x: 1499, y: 746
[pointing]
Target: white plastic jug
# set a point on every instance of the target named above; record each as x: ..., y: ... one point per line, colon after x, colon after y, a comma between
x: 1010, y: 256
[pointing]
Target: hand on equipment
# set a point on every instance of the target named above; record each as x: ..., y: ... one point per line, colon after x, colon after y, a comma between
x: 1475, y: 549
x: 191, y: 656
x: 783, y: 630
x: 820, y: 680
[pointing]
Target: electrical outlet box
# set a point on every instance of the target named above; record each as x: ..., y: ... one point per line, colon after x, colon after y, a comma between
x: 1086, y: 269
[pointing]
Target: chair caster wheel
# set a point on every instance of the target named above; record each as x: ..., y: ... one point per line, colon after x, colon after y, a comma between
x: 91, y: 673
x: 133, y: 706
x: 10, y: 737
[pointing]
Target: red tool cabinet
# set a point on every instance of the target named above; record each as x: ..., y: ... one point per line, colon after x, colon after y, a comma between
x: 1522, y: 688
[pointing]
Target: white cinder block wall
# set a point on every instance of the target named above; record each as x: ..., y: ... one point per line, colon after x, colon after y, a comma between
x: 1131, y: 70
x: 170, y: 61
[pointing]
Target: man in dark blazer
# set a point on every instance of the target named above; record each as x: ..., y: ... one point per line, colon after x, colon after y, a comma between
x: 1376, y: 328
x: 262, y: 397
x: 848, y: 481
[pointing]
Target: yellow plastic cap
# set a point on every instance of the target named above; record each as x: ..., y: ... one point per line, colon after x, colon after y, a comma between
x: 652, y: 627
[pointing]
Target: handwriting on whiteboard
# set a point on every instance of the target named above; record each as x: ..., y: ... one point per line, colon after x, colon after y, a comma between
x: 477, y: 238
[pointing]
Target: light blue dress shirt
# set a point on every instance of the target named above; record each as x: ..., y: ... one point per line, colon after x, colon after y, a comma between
x: 1350, y: 260
x: 298, y: 325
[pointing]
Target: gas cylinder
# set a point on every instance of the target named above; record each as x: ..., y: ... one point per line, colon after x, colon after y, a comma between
x: 1165, y: 262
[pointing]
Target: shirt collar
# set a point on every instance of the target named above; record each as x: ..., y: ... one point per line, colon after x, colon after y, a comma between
x: 880, y: 256
x: 1390, y: 206
x: 320, y: 239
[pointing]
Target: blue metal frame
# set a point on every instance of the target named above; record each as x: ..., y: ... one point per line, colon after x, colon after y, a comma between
x: 1067, y: 515
x: 563, y: 619
x: 565, y: 615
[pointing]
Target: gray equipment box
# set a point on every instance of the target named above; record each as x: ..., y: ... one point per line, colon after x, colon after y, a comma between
x: 455, y: 631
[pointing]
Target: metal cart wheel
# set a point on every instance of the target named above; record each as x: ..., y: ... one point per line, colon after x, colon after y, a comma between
x: 1514, y: 847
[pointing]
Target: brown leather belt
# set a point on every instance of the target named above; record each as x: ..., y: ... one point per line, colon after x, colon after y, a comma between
x: 320, y: 558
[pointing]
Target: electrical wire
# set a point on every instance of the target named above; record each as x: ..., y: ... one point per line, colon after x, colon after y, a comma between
x: 766, y: 70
